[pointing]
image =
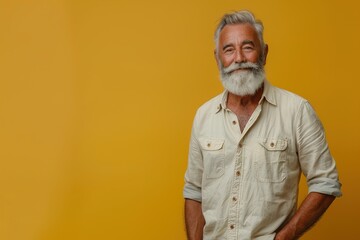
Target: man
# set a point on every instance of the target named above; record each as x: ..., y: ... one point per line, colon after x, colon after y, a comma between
x: 250, y: 145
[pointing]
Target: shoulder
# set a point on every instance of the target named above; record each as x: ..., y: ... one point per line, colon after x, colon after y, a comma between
x: 283, y: 94
x: 211, y: 106
x: 287, y: 100
x: 207, y: 111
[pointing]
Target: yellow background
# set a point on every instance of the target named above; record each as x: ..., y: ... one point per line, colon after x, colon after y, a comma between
x: 97, y: 99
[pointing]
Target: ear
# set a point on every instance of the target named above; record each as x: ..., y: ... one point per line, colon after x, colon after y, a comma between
x: 216, y: 59
x: 266, y: 50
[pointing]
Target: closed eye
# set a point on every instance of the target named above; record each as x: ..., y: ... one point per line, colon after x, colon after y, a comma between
x: 228, y: 50
x: 248, y: 48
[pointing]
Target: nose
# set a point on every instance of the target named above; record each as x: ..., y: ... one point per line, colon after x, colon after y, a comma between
x: 239, y: 57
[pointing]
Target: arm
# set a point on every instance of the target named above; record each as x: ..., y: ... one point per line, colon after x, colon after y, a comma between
x: 310, y: 211
x: 194, y: 220
x: 319, y: 168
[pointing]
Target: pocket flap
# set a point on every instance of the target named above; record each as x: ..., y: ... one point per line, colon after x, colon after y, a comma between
x: 274, y: 144
x: 211, y: 144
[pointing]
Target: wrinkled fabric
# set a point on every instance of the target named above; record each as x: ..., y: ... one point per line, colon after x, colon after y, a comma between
x: 247, y: 181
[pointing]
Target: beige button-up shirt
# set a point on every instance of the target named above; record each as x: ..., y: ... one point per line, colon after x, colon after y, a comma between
x: 248, y: 181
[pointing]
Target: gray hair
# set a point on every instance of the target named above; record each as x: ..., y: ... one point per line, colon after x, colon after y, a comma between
x: 240, y: 17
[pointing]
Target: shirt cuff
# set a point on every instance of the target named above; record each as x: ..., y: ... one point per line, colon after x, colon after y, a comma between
x: 325, y: 186
x: 192, y: 192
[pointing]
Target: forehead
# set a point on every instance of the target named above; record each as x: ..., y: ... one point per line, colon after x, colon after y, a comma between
x: 232, y: 33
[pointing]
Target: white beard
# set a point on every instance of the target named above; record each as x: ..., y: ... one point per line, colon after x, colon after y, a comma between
x: 245, y: 82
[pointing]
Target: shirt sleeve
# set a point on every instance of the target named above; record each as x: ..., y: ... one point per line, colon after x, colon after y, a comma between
x: 193, y: 175
x: 315, y: 159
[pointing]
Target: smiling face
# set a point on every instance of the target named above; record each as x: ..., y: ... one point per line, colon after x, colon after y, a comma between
x: 241, y: 59
x: 238, y: 43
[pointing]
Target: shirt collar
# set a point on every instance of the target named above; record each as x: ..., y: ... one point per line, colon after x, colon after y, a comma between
x: 222, y: 102
x: 268, y: 95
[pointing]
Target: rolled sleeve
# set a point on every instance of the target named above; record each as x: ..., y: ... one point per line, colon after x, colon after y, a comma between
x: 193, y: 175
x: 192, y: 192
x: 315, y: 159
x: 325, y: 186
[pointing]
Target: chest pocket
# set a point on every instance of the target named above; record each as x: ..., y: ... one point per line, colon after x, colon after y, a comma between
x: 271, y: 160
x: 213, y: 157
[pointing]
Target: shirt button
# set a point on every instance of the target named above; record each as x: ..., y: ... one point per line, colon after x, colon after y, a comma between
x: 240, y: 145
x: 234, y: 122
x: 272, y: 144
x: 237, y: 173
x: 208, y: 144
x: 232, y: 226
x: 234, y: 199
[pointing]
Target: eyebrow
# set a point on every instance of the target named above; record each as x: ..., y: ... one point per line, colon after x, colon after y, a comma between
x: 248, y: 42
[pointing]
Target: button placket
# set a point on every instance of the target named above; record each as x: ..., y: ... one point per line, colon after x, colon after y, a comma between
x: 235, y: 190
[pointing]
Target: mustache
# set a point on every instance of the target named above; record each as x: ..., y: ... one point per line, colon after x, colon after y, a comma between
x: 243, y: 65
